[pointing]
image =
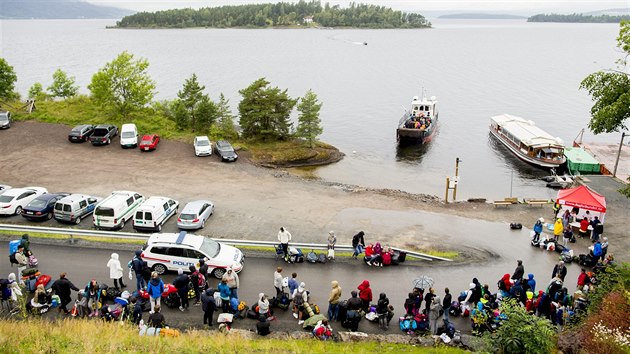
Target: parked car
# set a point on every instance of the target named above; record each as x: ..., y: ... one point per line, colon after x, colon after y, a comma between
x: 14, y: 200
x: 81, y: 133
x: 113, y: 211
x: 129, y: 136
x: 170, y: 251
x: 225, y: 151
x: 203, y: 146
x: 4, y: 188
x: 5, y: 120
x: 42, y: 207
x: 149, y: 142
x: 75, y: 207
x: 154, y: 212
x: 195, y: 214
x: 103, y: 134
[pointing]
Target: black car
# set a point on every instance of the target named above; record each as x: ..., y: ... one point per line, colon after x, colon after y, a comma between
x: 81, y: 133
x: 103, y: 134
x: 42, y: 207
x: 225, y: 151
x: 5, y: 120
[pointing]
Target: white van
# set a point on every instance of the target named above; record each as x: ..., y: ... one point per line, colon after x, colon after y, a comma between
x: 154, y: 212
x: 75, y: 207
x: 169, y: 251
x: 129, y: 136
x: 113, y: 211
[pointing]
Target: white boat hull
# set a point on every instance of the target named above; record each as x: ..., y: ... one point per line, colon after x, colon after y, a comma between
x: 524, y: 157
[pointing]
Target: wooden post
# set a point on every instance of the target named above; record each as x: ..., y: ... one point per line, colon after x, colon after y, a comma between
x: 448, y: 180
x: 623, y: 135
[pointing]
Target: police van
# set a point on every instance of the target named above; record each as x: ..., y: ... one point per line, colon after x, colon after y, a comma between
x: 154, y: 212
x: 113, y: 211
x: 170, y: 251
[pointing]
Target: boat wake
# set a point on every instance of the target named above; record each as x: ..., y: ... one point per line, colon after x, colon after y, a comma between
x: 345, y: 40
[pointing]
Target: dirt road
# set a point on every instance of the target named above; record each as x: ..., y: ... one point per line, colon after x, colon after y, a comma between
x: 252, y: 202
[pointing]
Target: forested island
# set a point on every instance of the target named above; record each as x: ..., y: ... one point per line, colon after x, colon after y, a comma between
x: 578, y: 18
x: 299, y: 14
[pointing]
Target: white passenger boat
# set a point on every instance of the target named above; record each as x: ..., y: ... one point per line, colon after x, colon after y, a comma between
x: 527, y: 141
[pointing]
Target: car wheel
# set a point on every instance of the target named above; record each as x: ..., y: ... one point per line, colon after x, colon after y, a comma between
x: 78, y: 220
x: 49, y: 216
x: 159, y: 228
x: 122, y: 224
x: 203, y: 224
x: 18, y: 210
x: 159, y: 268
x: 218, y: 273
x: 108, y: 141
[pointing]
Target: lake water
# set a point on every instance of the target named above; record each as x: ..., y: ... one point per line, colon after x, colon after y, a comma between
x: 475, y: 68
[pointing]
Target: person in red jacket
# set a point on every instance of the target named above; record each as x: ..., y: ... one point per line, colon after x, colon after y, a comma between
x: 583, y: 279
x: 365, y: 294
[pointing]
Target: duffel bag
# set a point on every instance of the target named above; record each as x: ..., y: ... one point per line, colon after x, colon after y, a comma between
x: 29, y: 271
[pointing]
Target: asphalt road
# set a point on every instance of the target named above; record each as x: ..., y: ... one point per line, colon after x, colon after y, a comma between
x: 83, y: 264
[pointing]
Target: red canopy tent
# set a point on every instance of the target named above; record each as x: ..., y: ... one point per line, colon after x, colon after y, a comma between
x: 584, y: 198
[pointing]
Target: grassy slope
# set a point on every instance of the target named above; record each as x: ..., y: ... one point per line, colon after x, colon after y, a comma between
x: 85, y: 336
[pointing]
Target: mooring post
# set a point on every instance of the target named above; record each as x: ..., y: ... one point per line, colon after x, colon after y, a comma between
x: 448, y: 181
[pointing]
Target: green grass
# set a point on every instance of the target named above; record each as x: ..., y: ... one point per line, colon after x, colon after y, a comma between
x: 90, y: 336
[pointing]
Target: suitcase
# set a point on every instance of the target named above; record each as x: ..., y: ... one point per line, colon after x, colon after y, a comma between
x: 401, y: 257
x: 252, y: 314
x: 30, y: 284
x: 44, y: 280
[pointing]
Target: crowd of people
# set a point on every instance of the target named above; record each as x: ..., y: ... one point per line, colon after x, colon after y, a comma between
x: 480, y: 302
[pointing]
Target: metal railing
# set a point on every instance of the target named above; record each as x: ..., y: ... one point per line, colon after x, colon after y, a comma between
x: 232, y: 242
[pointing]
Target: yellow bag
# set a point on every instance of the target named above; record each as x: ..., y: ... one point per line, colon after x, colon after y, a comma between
x: 169, y: 332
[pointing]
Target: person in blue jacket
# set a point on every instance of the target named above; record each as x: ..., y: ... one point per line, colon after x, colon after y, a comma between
x: 224, y: 293
x: 531, y: 282
x: 155, y: 290
x: 538, y: 228
x: 597, y: 250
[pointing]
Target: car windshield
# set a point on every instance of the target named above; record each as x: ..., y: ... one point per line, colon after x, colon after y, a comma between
x: 77, y: 129
x: 146, y: 140
x: 5, y: 199
x: 203, y: 143
x: 4, y: 117
x: 128, y: 135
x: 100, y: 132
x: 187, y: 216
x: 103, y: 211
x: 226, y: 149
x: 210, y: 248
x: 37, y: 203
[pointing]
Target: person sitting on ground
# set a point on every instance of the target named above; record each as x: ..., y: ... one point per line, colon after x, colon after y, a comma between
x: 322, y: 330
x: 156, y: 319
x: 263, y: 306
x: 136, y: 316
x: 263, y: 326
x: 596, y: 252
x: 14, y: 287
x: 370, y: 255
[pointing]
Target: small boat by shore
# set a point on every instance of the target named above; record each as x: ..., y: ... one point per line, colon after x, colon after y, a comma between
x: 419, y: 123
x: 558, y: 182
x: 527, y: 141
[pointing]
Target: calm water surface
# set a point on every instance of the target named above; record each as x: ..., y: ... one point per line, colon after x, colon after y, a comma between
x: 475, y: 68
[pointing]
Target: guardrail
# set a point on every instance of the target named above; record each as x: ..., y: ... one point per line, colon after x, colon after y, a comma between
x: 232, y: 242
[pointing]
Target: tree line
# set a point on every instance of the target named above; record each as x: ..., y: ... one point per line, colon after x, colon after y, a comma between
x: 279, y: 14
x: 578, y: 18
x: 123, y: 89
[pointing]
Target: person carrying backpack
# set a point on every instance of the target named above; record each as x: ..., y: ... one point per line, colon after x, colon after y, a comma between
x: 198, y: 282
x: 27, y: 245
x: 181, y: 283
x: 155, y: 288
x: 300, y: 296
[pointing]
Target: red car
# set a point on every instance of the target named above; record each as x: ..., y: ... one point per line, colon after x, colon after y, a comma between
x: 149, y: 142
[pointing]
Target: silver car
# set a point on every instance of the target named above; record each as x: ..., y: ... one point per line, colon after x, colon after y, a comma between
x: 195, y: 214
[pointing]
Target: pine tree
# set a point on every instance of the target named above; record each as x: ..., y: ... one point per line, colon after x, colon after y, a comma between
x: 265, y: 111
x: 189, y: 98
x: 309, y: 124
x: 225, y: 118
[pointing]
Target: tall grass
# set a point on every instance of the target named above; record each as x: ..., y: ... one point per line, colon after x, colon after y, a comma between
x: 83, y: 336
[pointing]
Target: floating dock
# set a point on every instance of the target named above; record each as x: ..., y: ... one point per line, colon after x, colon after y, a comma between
x: 606, y: 154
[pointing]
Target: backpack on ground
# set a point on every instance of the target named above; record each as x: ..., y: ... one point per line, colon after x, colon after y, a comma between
x: 407, y: 324
x: 311, y: 257
x: 283, y: 302
x: 322, y: 258
x: 32, y: 261
x: 315, y: 309
x: 387, y: 258
x: 252, y: 314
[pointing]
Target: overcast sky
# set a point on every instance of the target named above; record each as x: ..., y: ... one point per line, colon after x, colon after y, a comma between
x: 507, y: 6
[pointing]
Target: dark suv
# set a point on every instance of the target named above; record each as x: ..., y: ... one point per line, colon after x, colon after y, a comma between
x: 5, y: 120
x: 225, y: 151
x: 103, y: 134
x: 81, y: 133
